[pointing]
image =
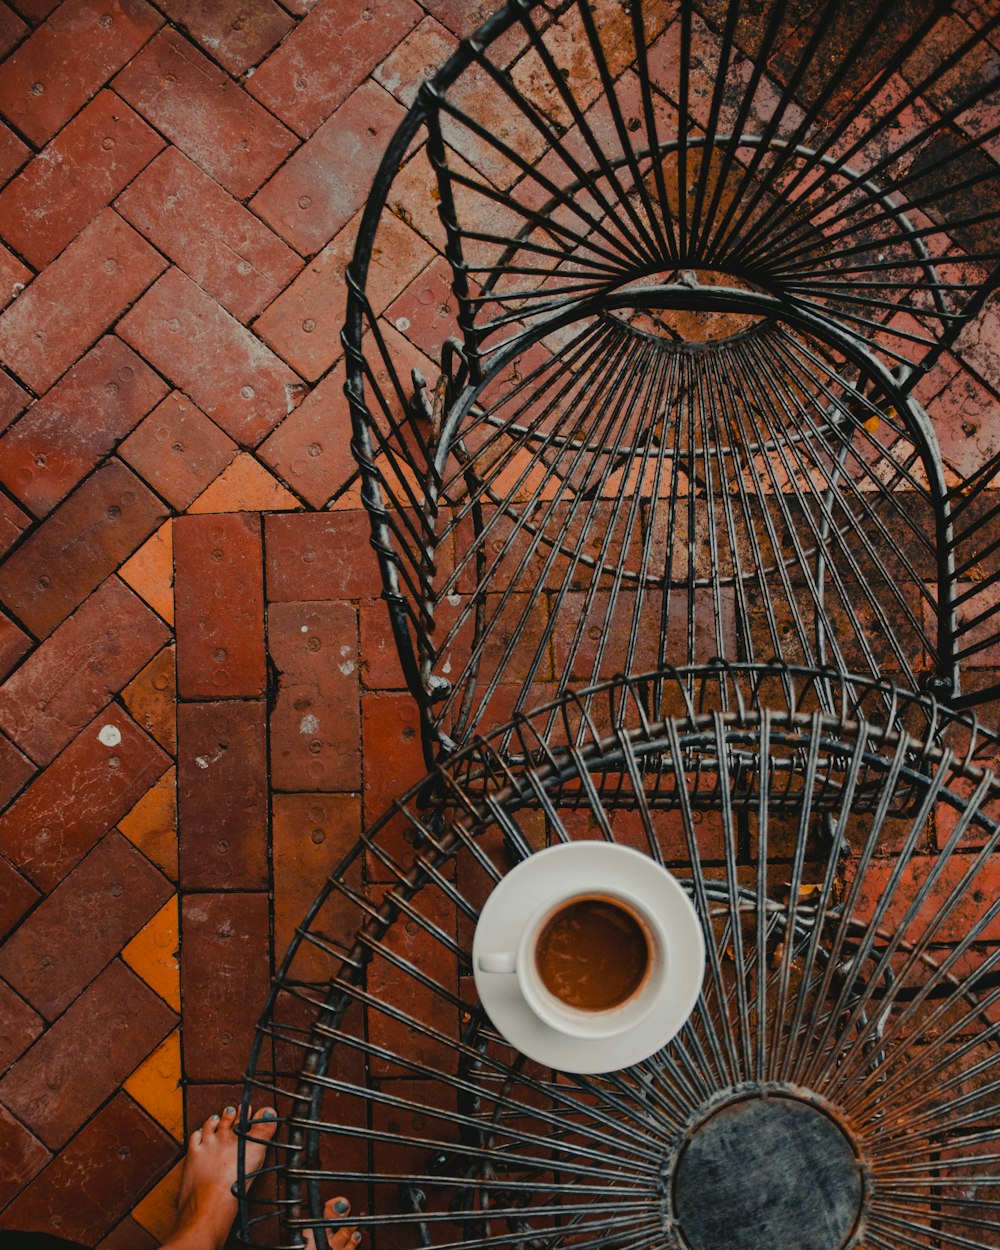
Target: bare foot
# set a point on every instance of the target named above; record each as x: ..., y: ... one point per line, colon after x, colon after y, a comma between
x: 206, y: 1206
x: 339, y: 1238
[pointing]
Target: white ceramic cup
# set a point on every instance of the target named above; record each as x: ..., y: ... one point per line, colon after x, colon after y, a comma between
x: 575, y: 1021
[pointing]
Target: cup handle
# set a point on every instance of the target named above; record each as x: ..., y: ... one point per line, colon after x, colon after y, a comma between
x: 503, y: 961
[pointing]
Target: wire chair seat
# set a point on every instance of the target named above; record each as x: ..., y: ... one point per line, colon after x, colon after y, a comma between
x: 680, y: 421
x: 842, y: 1056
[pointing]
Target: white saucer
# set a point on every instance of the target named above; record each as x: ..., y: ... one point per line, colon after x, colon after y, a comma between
x: 524, y: 890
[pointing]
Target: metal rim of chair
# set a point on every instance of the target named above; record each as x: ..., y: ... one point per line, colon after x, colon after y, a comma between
x: 402, y: 441
x: 666, y: 241
x: 784, y: 512
x: 850, y: 1001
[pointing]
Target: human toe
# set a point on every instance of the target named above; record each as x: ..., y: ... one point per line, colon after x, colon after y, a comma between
x: 258, y: 1133
x: 339, y: 1238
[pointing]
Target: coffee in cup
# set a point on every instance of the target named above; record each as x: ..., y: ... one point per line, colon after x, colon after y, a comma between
x: 590, y: 963
x: 592, y: 953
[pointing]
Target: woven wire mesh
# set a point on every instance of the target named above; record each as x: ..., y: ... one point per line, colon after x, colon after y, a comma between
x: 697, y: 259
x: 840, y: 868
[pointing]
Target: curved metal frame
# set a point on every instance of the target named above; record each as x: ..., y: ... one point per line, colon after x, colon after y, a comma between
x: 865, y: 985
x: 404, y: 460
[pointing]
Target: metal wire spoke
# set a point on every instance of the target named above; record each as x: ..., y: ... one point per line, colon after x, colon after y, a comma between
x: 838, y: 1082
x: 629, y: 502
x: 784, y: 182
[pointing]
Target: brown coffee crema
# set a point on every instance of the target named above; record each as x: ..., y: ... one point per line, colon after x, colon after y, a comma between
x: 592, y: 953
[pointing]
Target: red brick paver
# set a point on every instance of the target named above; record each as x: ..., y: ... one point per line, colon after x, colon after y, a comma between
x: 200, y: 700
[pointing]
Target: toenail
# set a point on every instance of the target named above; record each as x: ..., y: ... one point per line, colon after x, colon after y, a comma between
x: 215, y: 1119
x: 268, y: 1115
x: 230, y: 1111
x: 341, y: 1205
x: 356, y: 1237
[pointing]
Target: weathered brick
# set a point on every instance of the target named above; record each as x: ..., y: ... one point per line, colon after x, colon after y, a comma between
x: 320, y: 188
x: 79, y: 669
x: 21, y: 1025
x: 427, y: 311
x: 222, y: 795
x: 475, y: 93
x: 78, y: 546
x: 151, y: 825
x: 22, y: 1156
x: 17, y: 895
x: 112, y: 31
x: 13, y: 400
x: 329, y: 54
x: 209, y: 355
x: 237, y: 33
x: 79, y: 928
x: 13, y: 153
x: 228, y: 251
x: 62, y: 814
x: 16, y: 770
x: 311, y: 448
x: 13, y: 522
x: 973, y: 904
x: 13, y: 644
x: 315, y: 722
x: 12, y: 29
x: 110, y: 1028
x: 210, y: 118
x: 303, y: 324
x: 319, y: 555
x: 150, y: 572
x: 245, y: 486
x: 225, y: 959
x: 75, y: 299
x: 380, y: 665
x: 390, y: 984
x: 74, y: 177
x: 152, y: 698
x: 35, y: 10
x: 219, y: 590
x: 961, y: 415
x: 128, y: 1235
x: 312, y: 833
x: 72, y: 428
x: 178, y: 450
x: 14, y: 276
x: 391, y: 750
x: 98, y: 1178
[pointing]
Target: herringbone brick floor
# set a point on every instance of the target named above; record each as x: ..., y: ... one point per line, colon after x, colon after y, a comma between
x: 200, y: 703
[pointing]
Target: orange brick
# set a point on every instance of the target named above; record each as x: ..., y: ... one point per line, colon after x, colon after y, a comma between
x: 151, y: 697
x: 150, y: 572
x: 151, y: 825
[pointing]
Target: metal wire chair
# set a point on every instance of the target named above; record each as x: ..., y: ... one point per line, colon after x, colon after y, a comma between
x: 697, y: 267
x: 838, y: 1081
